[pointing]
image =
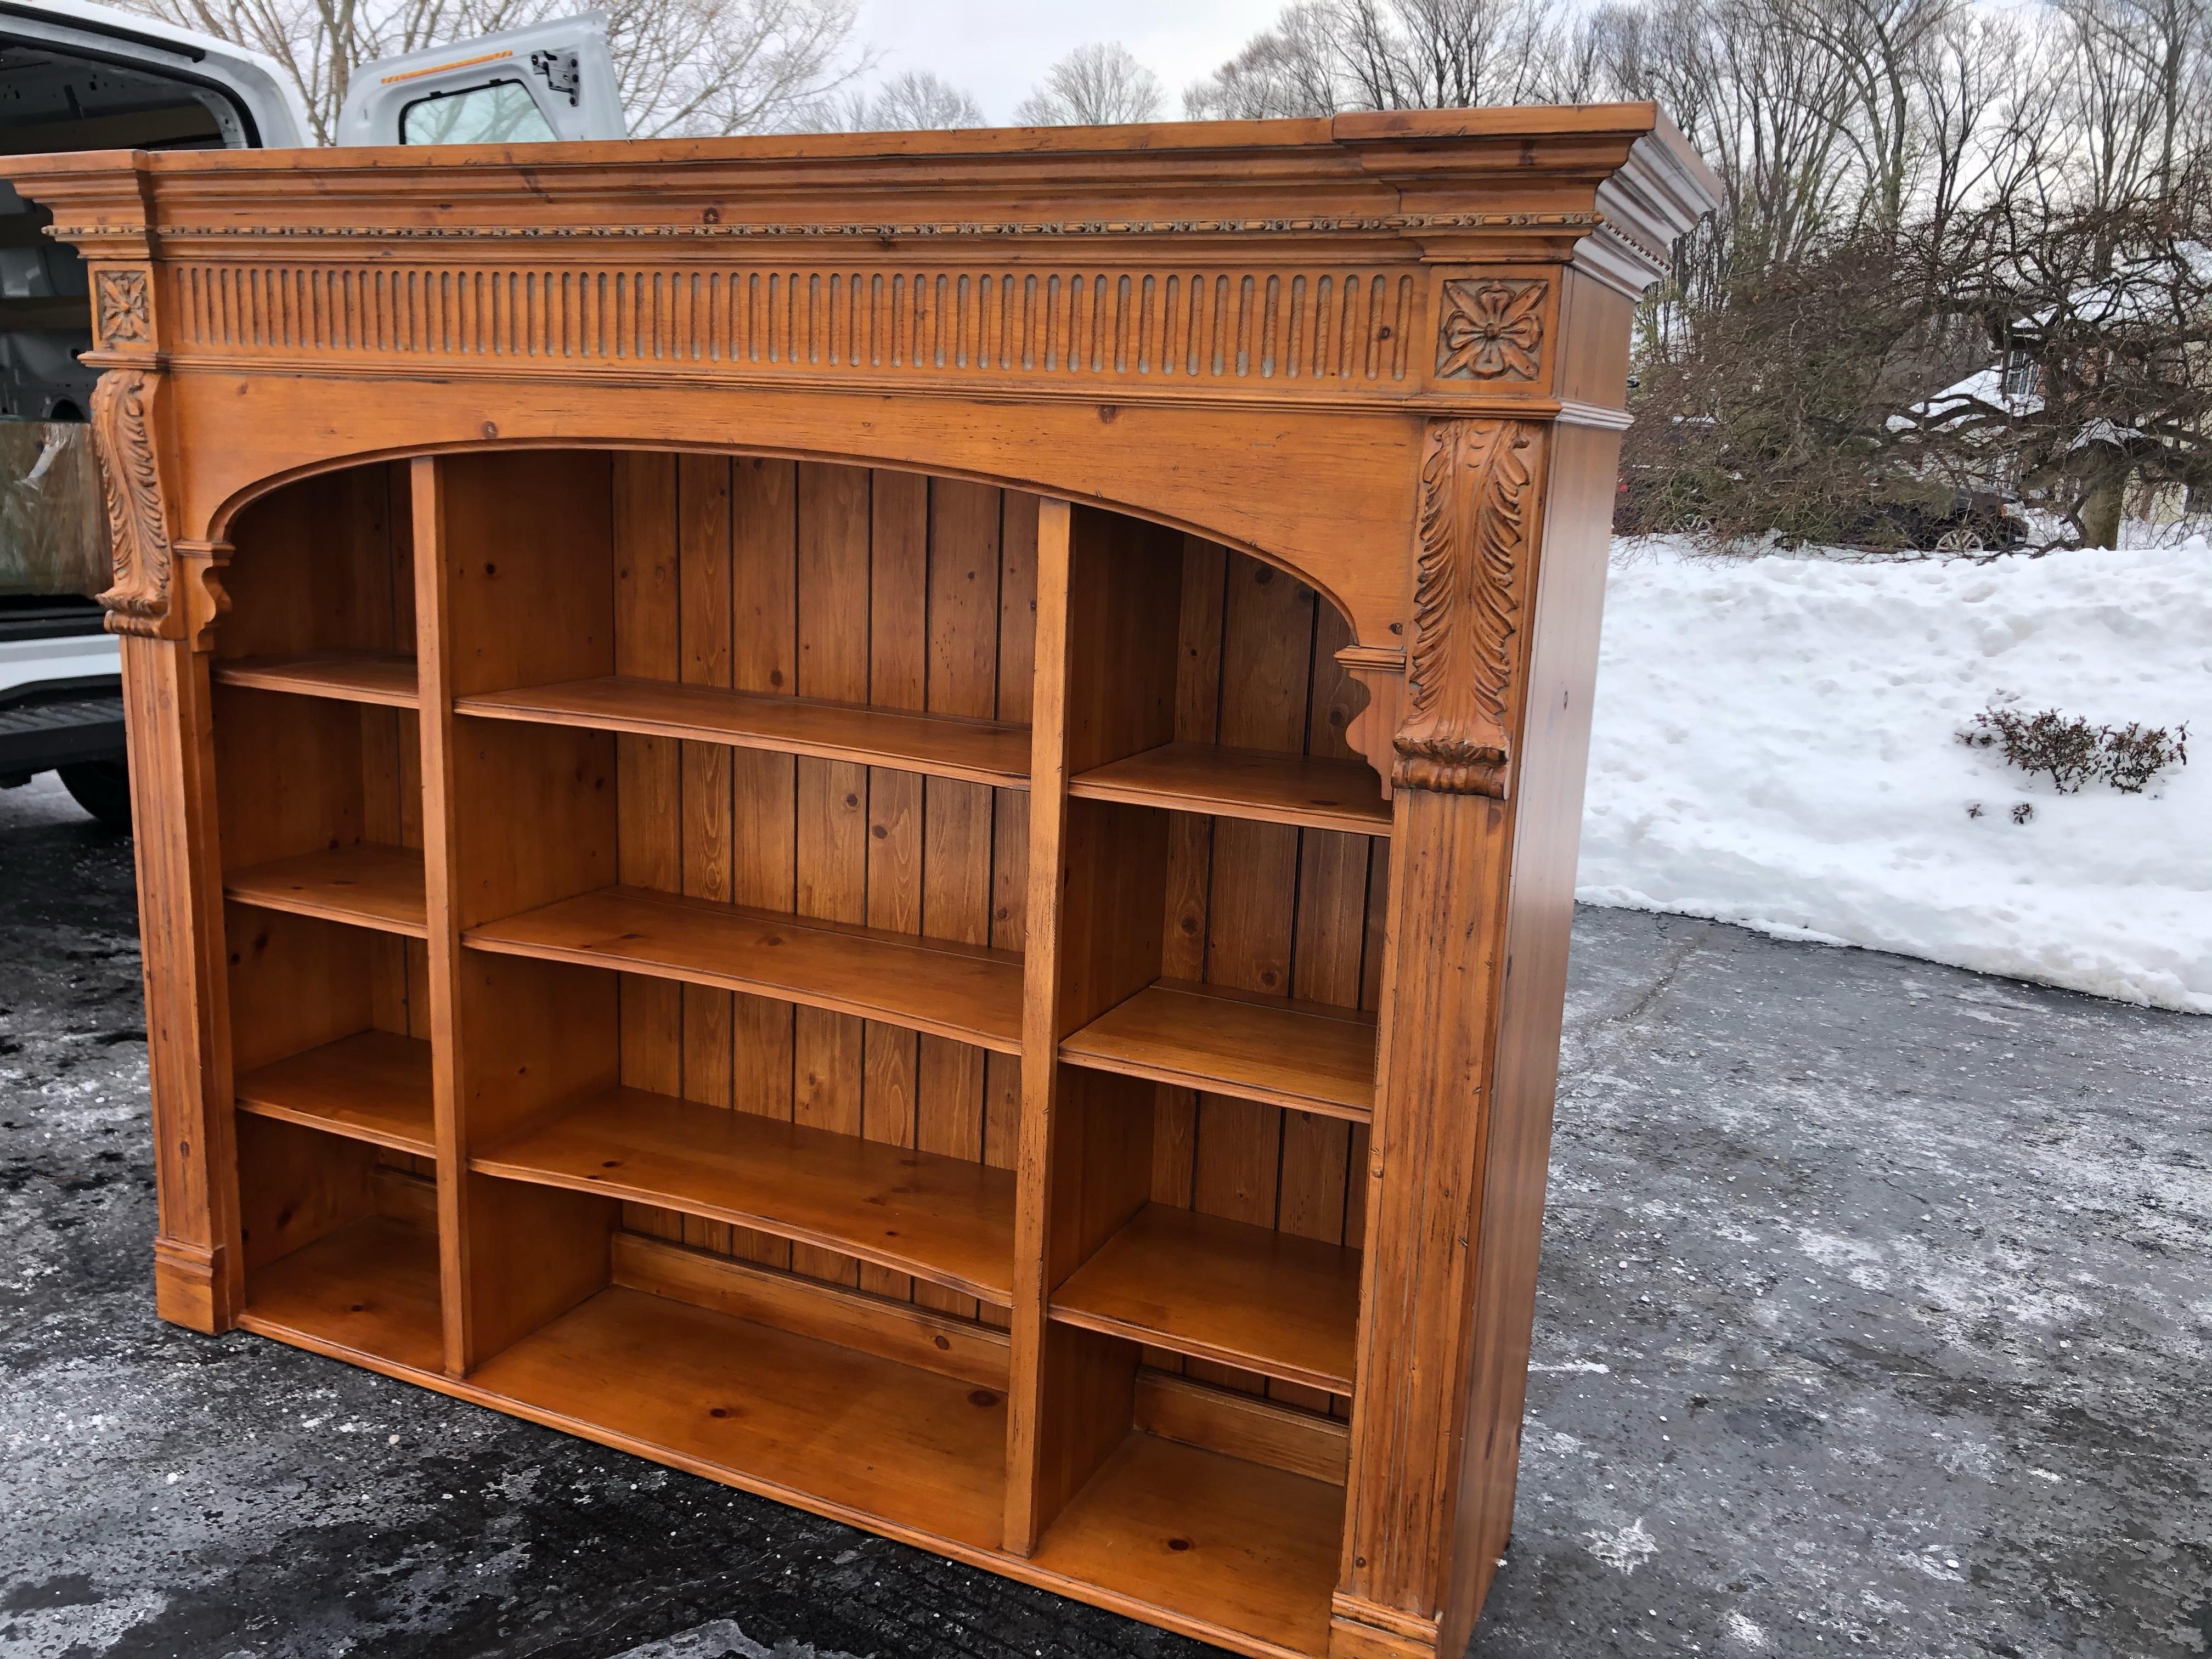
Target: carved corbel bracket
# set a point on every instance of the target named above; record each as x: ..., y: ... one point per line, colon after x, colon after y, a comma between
x: 124, y: 405
x: 1381, y: 671
x: 200, y: 589
x: 1468, y: 608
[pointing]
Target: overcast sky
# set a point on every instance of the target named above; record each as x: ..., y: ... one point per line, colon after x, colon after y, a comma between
x: 999, y: 49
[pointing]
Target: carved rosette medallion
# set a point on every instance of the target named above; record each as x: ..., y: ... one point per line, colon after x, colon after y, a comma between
x: 122, y: 308
x: 1493, y: 329
x: 1467, y: 604
x: 123, y: 406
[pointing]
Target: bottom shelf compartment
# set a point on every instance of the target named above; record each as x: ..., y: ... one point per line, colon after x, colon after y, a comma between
x: 789, y: 1416
x: 1243, y: 1551
x: 1231, y: 1551
x: 368, y: 1292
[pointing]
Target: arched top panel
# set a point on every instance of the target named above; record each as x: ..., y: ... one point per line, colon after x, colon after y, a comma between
x: 226, y: 513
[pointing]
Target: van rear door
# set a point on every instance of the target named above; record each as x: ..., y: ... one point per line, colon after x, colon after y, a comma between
x: 548, y: 84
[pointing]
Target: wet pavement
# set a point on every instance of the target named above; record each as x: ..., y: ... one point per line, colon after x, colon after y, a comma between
x: 1875, y: 1315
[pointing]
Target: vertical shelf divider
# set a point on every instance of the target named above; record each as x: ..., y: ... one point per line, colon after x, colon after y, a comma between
x: 435, y: 700
x: 1033, y: 1160
x: 1096, y: 907
x: 513, y: 818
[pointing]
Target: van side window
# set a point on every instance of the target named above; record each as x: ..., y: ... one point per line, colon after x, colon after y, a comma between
x: 496, y: 112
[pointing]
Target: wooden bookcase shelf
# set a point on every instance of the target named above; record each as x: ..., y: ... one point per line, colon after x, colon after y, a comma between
x: 980, y: 751
x: 385, y: 677
x: 843, y: 1433
x: 943, y: 1219
x: 969, y: 993
x: 1306, y: 1055
x: 1222, y: 1291
x: 1318, y: 792
x: 362, y: 883
x: 367, y: 1292
x: 374, y: 1085
x: 960, y: 917
x: 1225, y: 1544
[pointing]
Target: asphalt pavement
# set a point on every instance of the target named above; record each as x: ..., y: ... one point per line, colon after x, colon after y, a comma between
x: 1875, y: 1315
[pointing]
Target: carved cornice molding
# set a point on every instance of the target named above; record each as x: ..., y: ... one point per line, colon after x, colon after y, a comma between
x: 713, y: 230
x: 1468, y: 608
x: 123, y: 407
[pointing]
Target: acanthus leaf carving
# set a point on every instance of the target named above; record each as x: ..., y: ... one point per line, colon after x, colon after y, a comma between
x: 123, y: 406
x: 1467, y: 604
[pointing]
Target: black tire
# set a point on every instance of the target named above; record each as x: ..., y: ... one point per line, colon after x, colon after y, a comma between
x: 102, y: 788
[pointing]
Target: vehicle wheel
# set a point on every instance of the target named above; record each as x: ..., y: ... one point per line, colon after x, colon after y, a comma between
x: 1958, y: 541
x: 102, y: 788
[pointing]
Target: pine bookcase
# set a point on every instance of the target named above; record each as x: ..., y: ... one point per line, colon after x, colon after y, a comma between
x: 890, y: 818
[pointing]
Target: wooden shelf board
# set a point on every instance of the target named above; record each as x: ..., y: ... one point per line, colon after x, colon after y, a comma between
x: 907, y: 1452
x: 362, y: 882
x: 379, y: 677
x: 981, y: 751
x: 828, y: 1428
x: 1300, y: 1054
x: 1225, y: 1291
x: 368, y: 1292
x: 1244, y: 783
x: 373, y: 1086
x: 939, y: 1219
x: 1231, y: 1549
x: 957, y: 991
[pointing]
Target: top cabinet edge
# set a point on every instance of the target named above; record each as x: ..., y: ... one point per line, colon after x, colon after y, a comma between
x: 1429, y: 184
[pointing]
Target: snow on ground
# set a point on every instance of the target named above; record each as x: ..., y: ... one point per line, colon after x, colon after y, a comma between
x: 1774, y: 745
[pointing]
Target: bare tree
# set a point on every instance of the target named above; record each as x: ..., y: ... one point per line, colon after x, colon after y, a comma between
x: 1097, y: 86
x: 1880, y: 50
x: 1448, y: 54
x: 685, y: 67
x: 914, y: 101
x: 1288, y: 70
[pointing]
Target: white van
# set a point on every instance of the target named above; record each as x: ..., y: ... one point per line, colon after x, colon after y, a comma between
x: 76, y: 77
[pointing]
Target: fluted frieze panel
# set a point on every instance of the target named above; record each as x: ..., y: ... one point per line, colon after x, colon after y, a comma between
x: 1340, y: 328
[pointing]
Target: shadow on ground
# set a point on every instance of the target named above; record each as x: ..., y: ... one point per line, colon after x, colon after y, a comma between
x: 1876, y: 1314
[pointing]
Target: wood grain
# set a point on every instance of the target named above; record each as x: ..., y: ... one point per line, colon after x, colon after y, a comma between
x: 649, y: 772
x: 1260, y: 785
x: 368, y: 1290
x: 1224, y: 1291
x: 967, y: 993
x: 373, y: 1086
x: 361, y: 884
x: 372, y: 676
x: 944, y: 1219
x: 776, y: 1413
x: 1238, y: 1425
x: 980, y: 751
x: 1234, y: 1546
x: 1303, y: 1054
x: 889, y: 1328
